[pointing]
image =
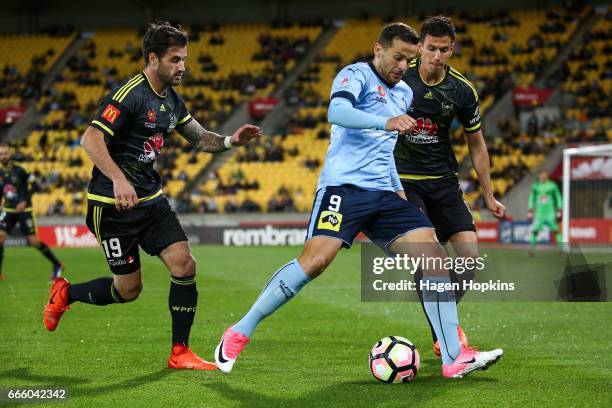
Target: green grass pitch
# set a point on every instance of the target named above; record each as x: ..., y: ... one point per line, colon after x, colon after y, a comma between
x: 313, y: 352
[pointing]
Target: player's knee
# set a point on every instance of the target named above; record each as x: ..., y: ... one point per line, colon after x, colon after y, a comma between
x: 186, y: 267
x: 131, y: 293
x: 315, y: 264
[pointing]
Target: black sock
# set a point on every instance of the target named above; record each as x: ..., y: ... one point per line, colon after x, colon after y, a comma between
x: 44, y: 249
x: 99, y: 291
x: 182, y: 302
x: 1, y: 257
x: 460, y: 278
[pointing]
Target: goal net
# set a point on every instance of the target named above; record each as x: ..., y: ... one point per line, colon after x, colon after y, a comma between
x: 587, y: 195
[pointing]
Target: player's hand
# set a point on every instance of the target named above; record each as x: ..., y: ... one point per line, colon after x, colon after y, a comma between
x: 245, y: 134
x: 401, y: 123
x: 402, y: 194
x: 125, y: 195
x: 530, y: 215
x: 497, y: 209
x: 559, y: 215
x: 21, y: 206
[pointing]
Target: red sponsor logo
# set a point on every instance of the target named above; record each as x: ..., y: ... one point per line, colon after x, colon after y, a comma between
x: 130, y: 259
x: 67, y: 236
x: 345, y: 82
x: 487, y: 231
x: 111, y: 113
x: 590, y: 231
x: 424, y: 127
x: 152, y: 147
x: 381, y: 90
x: 10, y: 191
x: 151, y: 116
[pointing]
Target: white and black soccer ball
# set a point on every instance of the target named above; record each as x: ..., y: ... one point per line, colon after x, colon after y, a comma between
x: 394, y: 359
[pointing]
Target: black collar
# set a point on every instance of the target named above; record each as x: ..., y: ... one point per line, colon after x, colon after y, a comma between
x: 373, y: 68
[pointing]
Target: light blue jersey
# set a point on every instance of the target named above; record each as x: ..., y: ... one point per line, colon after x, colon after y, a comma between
x: 364, y: 157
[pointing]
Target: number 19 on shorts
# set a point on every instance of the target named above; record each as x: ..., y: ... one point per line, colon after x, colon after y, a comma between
x: 112, y: 248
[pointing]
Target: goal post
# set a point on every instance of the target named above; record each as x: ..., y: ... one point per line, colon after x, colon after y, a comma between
x: 587, y: 195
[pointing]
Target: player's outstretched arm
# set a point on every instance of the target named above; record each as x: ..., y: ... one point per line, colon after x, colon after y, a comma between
x: 212, y: 142
x: 93, y: 143
x: 342, y: 113
x: 480, y: 161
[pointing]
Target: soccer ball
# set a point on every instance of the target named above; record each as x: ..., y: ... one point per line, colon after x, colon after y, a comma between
x: 394, y: 359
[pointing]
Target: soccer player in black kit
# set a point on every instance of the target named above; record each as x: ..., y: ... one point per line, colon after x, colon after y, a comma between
x: 424, y: 157
x: 126, y: 206
x: 16, y: 195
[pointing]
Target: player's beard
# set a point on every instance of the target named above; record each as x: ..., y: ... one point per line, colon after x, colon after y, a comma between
x: 167, y: 77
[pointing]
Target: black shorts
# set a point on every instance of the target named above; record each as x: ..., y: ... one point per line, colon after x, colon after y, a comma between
x: 26, y: 221
x: 119, y: 233
x: 342, y: 211
x: 442, y: 201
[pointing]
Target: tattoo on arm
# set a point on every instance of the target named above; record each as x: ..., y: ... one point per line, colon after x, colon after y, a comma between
x: 201, y: 138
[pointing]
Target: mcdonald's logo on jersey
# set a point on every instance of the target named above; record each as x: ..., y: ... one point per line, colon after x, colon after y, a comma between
x: 111, y: 113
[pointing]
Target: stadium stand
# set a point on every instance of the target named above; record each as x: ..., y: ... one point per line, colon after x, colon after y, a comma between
x: 496, y: 51
x: 587, y: 82
x: 231, y: 64
x: 25, y: 58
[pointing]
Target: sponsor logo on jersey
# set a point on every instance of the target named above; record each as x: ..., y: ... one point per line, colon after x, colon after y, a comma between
x: 151, y: 116
x: 476, y: 117
x: 428, y: 95
x: 172, y: 122
x: 330, y: 220
x: 345, y: 82
x: 424, y: 127
x: 162, y: 108
x: 118, y: 262
x: 111, y: 113
x: 381, y: 90
x: 10, y: 191
x: 424, y: 132
x: 130, y: 259
x: 404, y: 104
x: 152, y: 148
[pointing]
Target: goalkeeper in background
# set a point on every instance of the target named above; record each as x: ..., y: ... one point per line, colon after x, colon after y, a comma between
x: 546, y: 199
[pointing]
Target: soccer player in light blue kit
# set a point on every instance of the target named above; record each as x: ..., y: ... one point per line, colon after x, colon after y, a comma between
x: 359, y: 190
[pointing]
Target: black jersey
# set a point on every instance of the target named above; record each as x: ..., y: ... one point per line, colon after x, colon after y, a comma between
x: 16, y: 183
x: 427, y: 150
x: 135, y: 121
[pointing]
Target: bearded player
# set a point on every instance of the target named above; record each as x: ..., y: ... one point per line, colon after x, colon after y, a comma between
x: 126, y: 206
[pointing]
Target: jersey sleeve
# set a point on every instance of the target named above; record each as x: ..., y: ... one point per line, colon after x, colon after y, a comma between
x: 348, y: 84
x: 469, y: 115
x: 24, y: 188
x: 532, y: 197
x: 116, y: 109
x: 183, y: 115
x: 557, y: 198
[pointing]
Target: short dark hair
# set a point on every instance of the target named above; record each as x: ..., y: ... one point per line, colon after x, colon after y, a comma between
x: 438, y: 26
x: 397, y: 30
x: 160, y: 36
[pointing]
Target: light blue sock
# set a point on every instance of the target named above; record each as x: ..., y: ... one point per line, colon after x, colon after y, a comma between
x: 442, y: 312
x: 285, y: 284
